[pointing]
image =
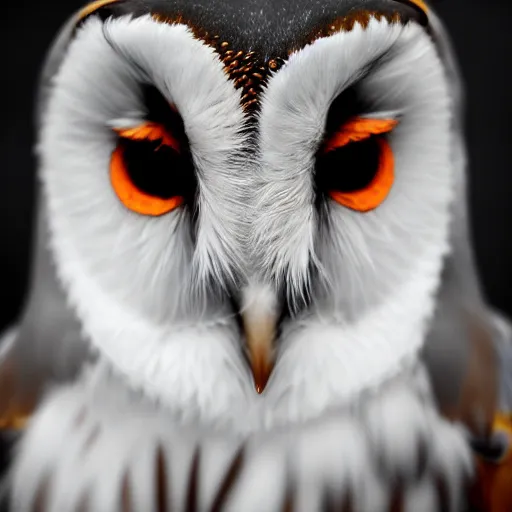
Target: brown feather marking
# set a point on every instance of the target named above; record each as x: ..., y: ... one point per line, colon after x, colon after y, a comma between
x: 232, y: 475
x: 162, y: 498
x: 41, y: 499
x: 83, y: 504
x: 443, y: 497
x: 126, y: 495
x: 348, y: 22
x: 288, y: 505
x: 347, y: 503
x: 397, y: 499
x: 193, y: 483
x: 91, y: 439
x: 18, y: 395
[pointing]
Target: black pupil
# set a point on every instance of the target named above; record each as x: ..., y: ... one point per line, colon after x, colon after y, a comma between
x: 155, y: 169
x: 348, y: 168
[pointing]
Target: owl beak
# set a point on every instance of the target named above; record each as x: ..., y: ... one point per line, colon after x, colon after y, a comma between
x: 260, y: 318
x: 260, y: 334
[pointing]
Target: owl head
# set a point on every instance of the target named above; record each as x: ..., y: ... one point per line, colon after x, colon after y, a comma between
x: 249, y: 194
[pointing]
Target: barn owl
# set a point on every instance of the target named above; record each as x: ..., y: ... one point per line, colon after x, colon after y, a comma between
x: 253, y: 286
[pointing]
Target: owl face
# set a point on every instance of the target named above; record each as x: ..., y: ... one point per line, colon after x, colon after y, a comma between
x: 272, y: 195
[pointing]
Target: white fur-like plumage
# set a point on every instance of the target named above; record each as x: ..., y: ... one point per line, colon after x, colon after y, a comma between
x: 132, y: 278
x: 113, y: 437
x: 348, y: 409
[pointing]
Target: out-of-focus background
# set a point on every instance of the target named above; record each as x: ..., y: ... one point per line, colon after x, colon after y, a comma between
x: 481, y: 33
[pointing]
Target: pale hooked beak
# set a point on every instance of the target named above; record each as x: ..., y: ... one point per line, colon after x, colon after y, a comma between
x: 260, y: 319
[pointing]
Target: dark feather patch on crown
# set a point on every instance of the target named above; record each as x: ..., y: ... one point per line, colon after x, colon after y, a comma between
x: 253, y: 38
x: 248, y: 70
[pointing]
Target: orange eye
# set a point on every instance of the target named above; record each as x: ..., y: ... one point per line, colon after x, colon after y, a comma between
x: 148, y: 170
x: 355, y: 165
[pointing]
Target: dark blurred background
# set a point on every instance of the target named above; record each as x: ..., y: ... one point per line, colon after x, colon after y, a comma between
x: 481, y: 33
